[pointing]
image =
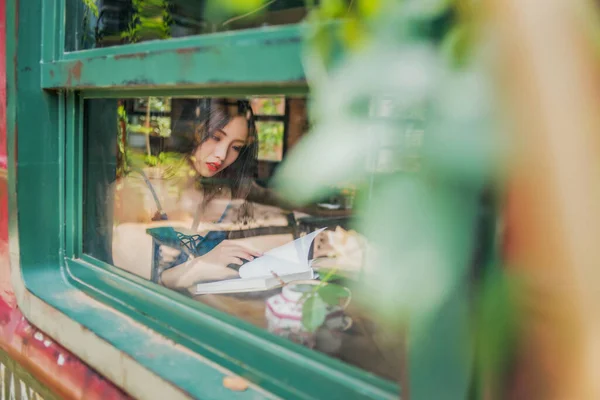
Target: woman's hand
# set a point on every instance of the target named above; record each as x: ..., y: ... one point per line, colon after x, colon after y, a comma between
x: 211, y: 266
x: 229, y: 252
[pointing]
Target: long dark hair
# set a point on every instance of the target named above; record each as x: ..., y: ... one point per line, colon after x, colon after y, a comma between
x: 211, y: 116
x: 214, y: 115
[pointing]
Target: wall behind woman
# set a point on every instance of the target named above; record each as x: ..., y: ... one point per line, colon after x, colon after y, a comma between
x: 102, y: 164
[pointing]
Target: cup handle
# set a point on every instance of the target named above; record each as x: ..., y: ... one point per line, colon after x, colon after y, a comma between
x: 348, y: 299
x: 348, y: 323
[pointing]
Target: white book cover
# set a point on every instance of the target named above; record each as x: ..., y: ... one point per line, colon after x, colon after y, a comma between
x: 284, y: 263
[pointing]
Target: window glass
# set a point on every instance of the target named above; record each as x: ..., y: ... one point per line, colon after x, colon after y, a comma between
x: 272, y: 105
x: 104, y: 23
x: 271, y: 118
x: 270, y: 139
x: 174, y: 193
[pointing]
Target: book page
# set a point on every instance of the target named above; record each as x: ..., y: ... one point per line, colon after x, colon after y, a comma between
x: 290, y: 258
x: 249, y: 285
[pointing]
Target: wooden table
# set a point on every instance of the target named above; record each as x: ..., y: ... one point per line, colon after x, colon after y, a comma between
x: 364, y: 345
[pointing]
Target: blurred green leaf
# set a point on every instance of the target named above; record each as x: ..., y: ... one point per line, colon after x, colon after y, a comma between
x: 241, y: 6
x: 353, y: 34
x: 457, y: 45
x: 91, y: 4
x: 421, y: 233
x: 496, y: 327
x: 344, y: 161
x: 314, y: 311
x: 412, y: 121
x: 270, y: 140
x: 440, y: 350
x: 370, y: 8
x: 347, y: 136
x: 462, y: 144
x: 332, y: 8
x: 332, y: 293
x: 426, y: 9
x: 227, y: 11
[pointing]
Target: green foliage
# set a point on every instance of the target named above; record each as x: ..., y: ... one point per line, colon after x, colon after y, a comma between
x: 319, y: 300
x: 332, y: 293
x: 241, y: 6
x: 388, y: 70
x: 226, y: 11
x: 151, y: 19
x: 314, y: 311
x: 161, y: 126
x: 173, y: 165
x: 122, y: 156
x: 91, y: 5
x: 151, y: 161
x: 496, y: 326
x: 270, y: 140
x: 270, y: 105
x: 391, y: 69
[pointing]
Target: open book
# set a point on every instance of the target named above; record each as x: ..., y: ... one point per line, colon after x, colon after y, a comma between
x: 285, y: 263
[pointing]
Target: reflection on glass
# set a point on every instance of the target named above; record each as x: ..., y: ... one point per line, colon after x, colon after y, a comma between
x: 104, y: 23
x: 268, y: 105
x: 270, y: 139
x: 176, y: 192
x: 270, y: 115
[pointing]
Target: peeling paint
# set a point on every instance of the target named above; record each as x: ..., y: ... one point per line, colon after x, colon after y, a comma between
x: 280, y: 41
x: 209, y: 60
x: 76, y: 70
x: 197, y: 50
x: 139, y: 56
x: 55, y: 366
x: 137, y: 82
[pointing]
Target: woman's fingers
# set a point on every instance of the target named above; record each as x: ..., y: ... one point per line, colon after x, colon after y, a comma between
x: 243, y: 247
x: 241, y: 253
x: 234, y: 260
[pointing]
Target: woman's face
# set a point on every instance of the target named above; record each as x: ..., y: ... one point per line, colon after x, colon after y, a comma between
x: 221, y: 148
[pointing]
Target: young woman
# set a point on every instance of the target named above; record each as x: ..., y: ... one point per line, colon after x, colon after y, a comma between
x: 223, y: 155
x: 222, y: 158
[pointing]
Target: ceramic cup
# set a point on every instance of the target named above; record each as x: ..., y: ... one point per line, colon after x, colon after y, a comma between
x: 284, y: 318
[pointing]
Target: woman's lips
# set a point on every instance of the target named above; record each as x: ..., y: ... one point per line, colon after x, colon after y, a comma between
x: 212, y: 167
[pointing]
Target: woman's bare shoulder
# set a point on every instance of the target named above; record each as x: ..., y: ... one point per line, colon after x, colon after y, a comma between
x: 129, y: 194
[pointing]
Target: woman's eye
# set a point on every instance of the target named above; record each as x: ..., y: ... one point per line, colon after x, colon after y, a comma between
x: 215, y: 137
x: 238, y: 148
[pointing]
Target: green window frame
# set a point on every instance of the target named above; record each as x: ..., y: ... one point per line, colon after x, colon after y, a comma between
x: 45, y: 127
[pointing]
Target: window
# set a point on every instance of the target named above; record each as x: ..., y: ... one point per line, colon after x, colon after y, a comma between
x: 105, y: 23
x: 155, y: 209
x: 136, y: 146
x: 270, y: 115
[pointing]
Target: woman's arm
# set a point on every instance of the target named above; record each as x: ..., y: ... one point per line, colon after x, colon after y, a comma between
x: 209, y: 267
x: 185, y: 275
x: 266, y: 196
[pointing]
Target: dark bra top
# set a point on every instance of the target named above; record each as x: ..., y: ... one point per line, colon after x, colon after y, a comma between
x: 194, y: 245
x: 190, y: 245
